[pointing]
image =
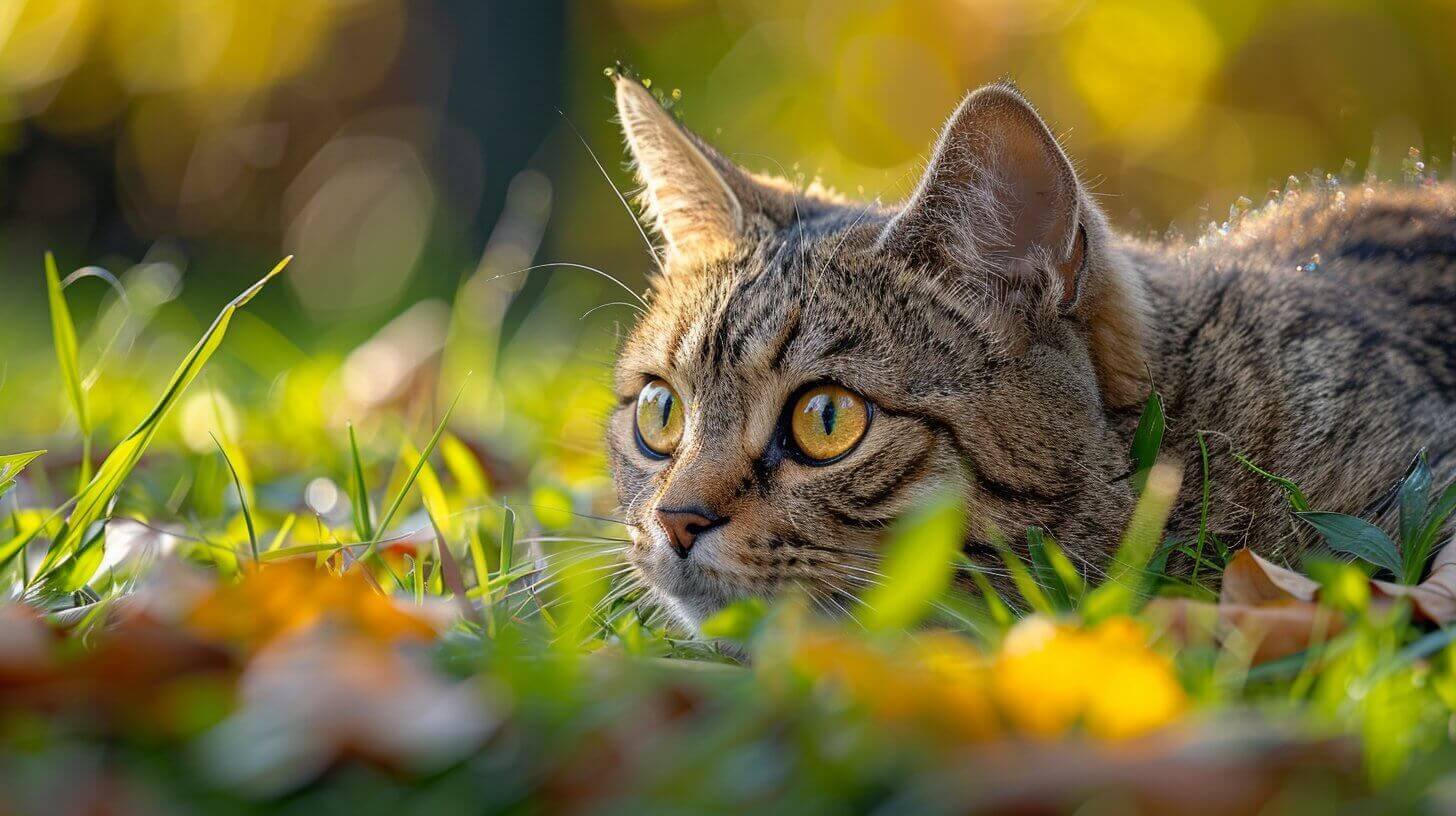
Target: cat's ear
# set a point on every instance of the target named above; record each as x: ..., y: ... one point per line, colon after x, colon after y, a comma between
x: 686, y: 192
x: 1000, y: 192
x: 1001, y: 201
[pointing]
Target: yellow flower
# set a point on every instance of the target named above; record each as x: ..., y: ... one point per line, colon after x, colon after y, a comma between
x: 1049, y: 678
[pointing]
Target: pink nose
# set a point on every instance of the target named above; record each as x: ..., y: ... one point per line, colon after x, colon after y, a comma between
x: 684, y: 526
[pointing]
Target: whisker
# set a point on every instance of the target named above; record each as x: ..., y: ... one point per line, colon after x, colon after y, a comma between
x: 636, y: 222
x: 571, y: 265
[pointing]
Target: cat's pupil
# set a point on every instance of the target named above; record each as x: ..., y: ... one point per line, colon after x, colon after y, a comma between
x: 666, y: 408
x: 827, y: 417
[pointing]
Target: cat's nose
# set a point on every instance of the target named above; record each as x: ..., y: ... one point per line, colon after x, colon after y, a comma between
x: 684, y: 526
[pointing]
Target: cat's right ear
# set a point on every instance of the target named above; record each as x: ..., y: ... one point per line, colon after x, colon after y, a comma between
x: 685, y: 193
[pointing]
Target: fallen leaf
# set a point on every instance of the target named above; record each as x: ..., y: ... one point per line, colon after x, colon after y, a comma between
x: 1276, y: 630
x: 286, y: 597
x: 1250, y: 579
x: 1434, y: 599
x: 1277, y: 608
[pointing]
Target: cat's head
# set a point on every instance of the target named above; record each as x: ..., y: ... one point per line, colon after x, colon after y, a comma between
x: 809, y: 367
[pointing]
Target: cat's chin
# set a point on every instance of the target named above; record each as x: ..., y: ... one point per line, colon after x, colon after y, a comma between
x: 690, y: 603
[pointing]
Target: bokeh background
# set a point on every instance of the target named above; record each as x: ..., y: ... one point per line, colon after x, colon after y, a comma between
x: 417, y: 154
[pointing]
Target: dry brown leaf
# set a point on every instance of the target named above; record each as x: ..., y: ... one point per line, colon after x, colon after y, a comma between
x: 1276, y: 608
x: 1251, y: 580
x: 1276, y: 629
x: 1434, y: 599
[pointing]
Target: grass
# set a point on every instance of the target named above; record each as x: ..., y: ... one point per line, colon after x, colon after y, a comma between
x: 232, y: 627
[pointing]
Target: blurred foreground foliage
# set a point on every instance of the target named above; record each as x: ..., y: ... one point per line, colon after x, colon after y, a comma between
x: 388, y: 598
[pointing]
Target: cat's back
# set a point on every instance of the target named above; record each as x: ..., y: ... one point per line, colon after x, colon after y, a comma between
x: 1318, y: 338
x: 1360, y: 276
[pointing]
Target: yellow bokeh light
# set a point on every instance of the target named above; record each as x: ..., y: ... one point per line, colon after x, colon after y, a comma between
x: 42, y: 40
x: 1143, y: 66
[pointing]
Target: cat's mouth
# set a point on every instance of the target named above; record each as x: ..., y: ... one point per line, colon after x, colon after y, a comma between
x: 693, y: 587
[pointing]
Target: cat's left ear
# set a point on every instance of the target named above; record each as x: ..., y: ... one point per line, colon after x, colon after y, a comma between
x: 1000, y: 202
x: 687, y: 189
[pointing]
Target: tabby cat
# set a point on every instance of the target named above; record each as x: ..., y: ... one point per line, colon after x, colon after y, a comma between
x: 809, y: 367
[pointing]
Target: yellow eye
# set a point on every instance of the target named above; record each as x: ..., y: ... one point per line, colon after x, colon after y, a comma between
x: 827, y: 421
x: 659, y: 417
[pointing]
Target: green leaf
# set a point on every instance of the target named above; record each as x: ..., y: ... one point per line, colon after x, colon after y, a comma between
x: 78, y: 571
x: 1147, y: 440
x: 63, y: 330
x: 17, y: 545
x: 736, y: 621
x: 92, y: 501
x: 10, y: 466
x: 996, y: 608
x: 1126, y: 581
x: 1415, y: 494
x: 464, y: 467
x: 450, y: 570
x: 918, y: 563
x: 432, y: 493
x: 1357, y: 537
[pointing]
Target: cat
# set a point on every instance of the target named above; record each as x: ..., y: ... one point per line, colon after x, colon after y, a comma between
x: 810, y: 367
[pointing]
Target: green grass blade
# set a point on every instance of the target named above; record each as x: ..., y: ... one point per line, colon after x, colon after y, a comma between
x: 1126, y: 577
x: 1297, y: 500
x: 1415, y: 496
x: 1439, y: 513
x: 283, y: 531
x: 996, y: 608
x: 18, y: 543
x: 63, y: 330
x: 242, y: 499
x: 363, y: 520
x: 920, y: 557
x: 92, y: 501
x: 508, y: 540
x: 1056, y: 569
x: 409, y: 481
x: 450, y: 572
x: 432, y: 492
x: 282, y: 553
x: 10, y: 466
x: 1031, y: 590
x: 477, y: 559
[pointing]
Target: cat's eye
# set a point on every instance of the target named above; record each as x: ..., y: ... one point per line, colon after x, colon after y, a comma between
x: 827, y: 421
x: 659, y: 418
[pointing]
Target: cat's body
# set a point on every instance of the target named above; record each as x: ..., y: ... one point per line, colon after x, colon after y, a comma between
x: 1319, y: 341
x: 995, y: 337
